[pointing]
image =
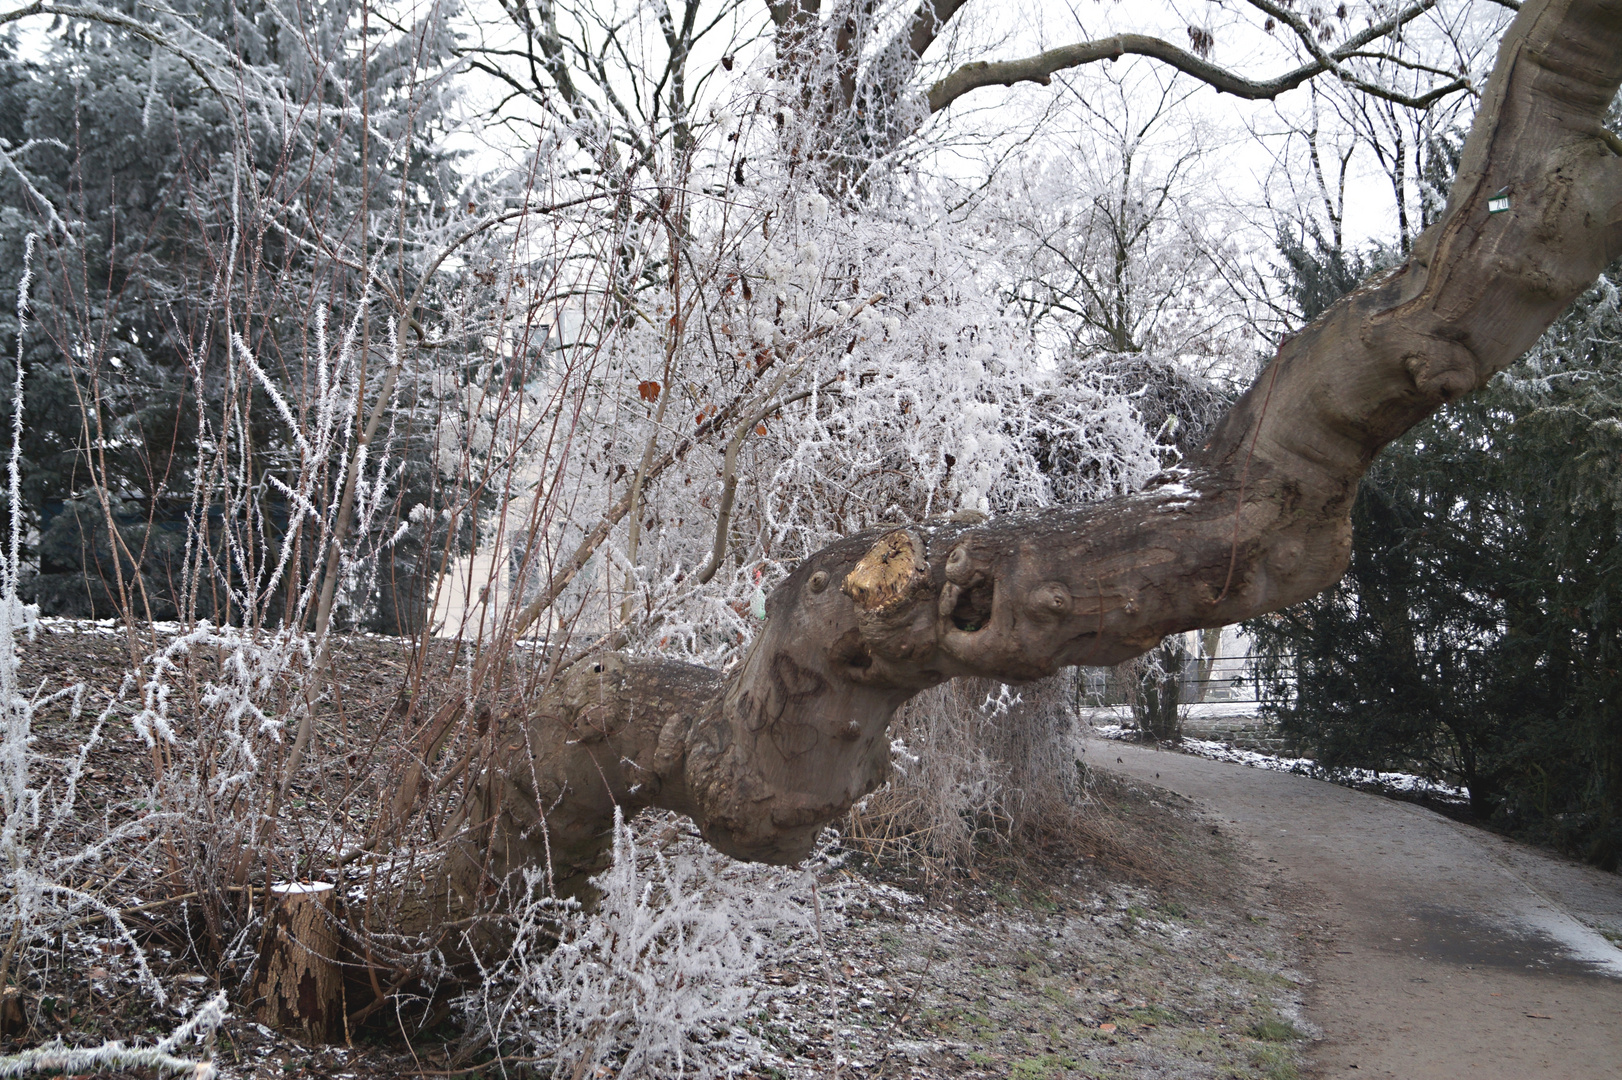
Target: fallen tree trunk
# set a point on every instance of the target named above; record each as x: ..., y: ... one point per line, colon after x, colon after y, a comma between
x: 765, y: 756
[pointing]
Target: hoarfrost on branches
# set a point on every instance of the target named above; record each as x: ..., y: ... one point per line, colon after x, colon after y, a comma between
x: 655, y: 979
x: 39, y: 796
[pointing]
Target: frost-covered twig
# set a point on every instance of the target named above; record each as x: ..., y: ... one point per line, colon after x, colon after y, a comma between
x: 32, y: 888
x: 669, y: 953
x: 55, y: 1056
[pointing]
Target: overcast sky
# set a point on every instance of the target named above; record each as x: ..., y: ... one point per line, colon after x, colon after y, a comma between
x: 1252, y: 163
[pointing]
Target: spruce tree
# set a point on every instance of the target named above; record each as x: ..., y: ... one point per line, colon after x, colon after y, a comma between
x: 1477, y: 636
x: 166, y: 205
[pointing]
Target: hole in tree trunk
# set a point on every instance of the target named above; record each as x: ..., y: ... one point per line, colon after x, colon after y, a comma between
x: 973, y: 608
x: 850, y: 651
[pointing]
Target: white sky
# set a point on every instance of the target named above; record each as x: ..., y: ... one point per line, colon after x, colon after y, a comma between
x: 1245, y: 138
x: 1250, y: 161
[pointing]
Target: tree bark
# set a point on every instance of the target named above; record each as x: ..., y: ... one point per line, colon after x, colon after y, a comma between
x: 298, y: 980
x: 763, y: 757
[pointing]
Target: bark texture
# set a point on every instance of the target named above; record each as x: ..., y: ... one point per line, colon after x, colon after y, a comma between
x: 763, y: 757
x: 298, y: 980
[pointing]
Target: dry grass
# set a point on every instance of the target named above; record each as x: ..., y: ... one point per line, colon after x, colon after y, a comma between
x: 992, y: 779
x: 984, y: 766
x: 1023, y: 831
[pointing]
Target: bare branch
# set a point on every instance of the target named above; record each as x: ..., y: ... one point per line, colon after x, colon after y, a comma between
x: 1411, y: 65
x: 928, y: 22
x: 1041, y: 68
x: 763, y: 406
x: 346, y: 507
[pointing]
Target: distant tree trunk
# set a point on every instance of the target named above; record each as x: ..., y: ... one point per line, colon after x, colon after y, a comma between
x: 763, y: 757
x: 1210, y: 647
x: 1157, y: 690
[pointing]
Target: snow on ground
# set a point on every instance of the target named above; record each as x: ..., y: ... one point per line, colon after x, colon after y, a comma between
x: 1387, y: 782
x: 1102, y: 716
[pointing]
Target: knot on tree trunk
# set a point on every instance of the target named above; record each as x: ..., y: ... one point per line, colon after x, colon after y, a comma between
x: 890, y: 574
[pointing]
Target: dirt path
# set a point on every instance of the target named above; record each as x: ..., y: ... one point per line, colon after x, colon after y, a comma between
x: 1443, y: 951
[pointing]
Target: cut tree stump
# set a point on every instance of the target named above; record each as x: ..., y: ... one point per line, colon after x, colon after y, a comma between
x: 13, y: 1014
x: 298, y: 982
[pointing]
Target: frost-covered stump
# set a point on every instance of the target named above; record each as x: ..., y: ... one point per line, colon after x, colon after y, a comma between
x: 298, y: 981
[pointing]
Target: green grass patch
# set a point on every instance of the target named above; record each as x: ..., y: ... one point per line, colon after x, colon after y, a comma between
x: 1275, y: 1062
x: 1041, y: 901
x: 1274, y: 1030
x: 1041, y: 1067
x: 1153, y: 1014
x: 1258, y: 977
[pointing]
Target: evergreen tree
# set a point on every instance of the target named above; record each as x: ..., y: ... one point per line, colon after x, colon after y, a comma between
x: 1477, y: 636
x: 167, y: 218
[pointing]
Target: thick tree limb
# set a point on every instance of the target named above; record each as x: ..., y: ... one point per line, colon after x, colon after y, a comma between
x: 1042, y: 67
x: 428, y: 742
x: 928, y: 21
x: 762, y: 757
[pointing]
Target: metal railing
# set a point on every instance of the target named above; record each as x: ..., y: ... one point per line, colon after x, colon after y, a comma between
x: 1232, y: 681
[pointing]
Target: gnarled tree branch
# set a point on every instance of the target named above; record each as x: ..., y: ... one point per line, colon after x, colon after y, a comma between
x: 1043, y: 66
x: 928, y: 21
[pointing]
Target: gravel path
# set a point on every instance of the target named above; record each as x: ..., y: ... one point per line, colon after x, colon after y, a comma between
x: 1443, y: 951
